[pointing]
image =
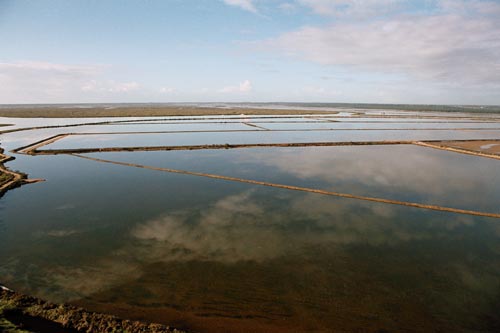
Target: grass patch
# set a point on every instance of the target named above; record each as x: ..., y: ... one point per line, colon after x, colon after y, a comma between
x: 5, y: 177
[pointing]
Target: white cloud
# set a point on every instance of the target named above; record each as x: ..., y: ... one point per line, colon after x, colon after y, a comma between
x: 243, y: 87
x: 167, y: 90
x: 448, y: 47
x: 287, y: 7
x: 46, y: 82
x: 123, y: 87
x: 36, y: 81
x: 247, y: 5
x: 470, y: 7
x: 109, y: 86
x: 241, y: 228
x: 320, y: 91
x: 31, y: 66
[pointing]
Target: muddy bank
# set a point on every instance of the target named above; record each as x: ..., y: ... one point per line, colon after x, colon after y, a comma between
x: 33, y: 148
x: 20, y: 313
x: 11, y: 179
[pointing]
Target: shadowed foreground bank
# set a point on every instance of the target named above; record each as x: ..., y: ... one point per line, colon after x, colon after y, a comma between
x: 20, y: 313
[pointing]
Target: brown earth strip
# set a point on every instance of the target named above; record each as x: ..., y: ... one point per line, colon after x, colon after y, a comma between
x: 302, y: 189
x: 215, y: 146
x: 294, y: 130
x: 438, y: 144
x: 256, y: 126
x: 486, y: 146
x: 23, y: 311
x: 444, y: 145
x: 52, y: 139
x: 298, y: 130
x: 20, y: 129
x: 44, y: 142
x: 423, y: 117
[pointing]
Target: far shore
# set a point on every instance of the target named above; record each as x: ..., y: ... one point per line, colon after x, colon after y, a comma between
x: 159, y: 110
x: 133, y: 111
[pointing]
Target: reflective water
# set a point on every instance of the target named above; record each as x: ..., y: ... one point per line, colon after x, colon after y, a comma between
x: 218, y: 256
x: 400, y: 172
x: 187, y: 139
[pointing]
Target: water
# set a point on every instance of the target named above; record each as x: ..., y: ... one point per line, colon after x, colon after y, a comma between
x: 437, y: 177
x: 220, y: 256
x: 253, y: 137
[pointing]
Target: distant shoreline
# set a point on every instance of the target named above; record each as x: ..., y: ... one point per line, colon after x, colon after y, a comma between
x: 131, y: 111
x: 158, y: 110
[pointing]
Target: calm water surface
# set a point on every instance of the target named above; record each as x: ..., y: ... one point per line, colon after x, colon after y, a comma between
x: 186, y: 139
x: 219, y: 256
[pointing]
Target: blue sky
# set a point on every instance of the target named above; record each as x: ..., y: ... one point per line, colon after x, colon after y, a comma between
x: 384, y: 51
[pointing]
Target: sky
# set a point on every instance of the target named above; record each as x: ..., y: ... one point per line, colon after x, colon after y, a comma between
x: 371, y: 51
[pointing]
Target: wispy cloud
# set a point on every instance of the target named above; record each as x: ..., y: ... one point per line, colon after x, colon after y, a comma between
x: 243, y: 87
x: 20, y: 67
x: 168, y: 90
x: 110, y: 86
x: 287, y: 7
x: 316, y: 91
x: 247, y: 5
x: 352, y: 8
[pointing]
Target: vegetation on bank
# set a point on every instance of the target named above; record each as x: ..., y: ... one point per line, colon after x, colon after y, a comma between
x: 9, y: 179
x: 5, y: 177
